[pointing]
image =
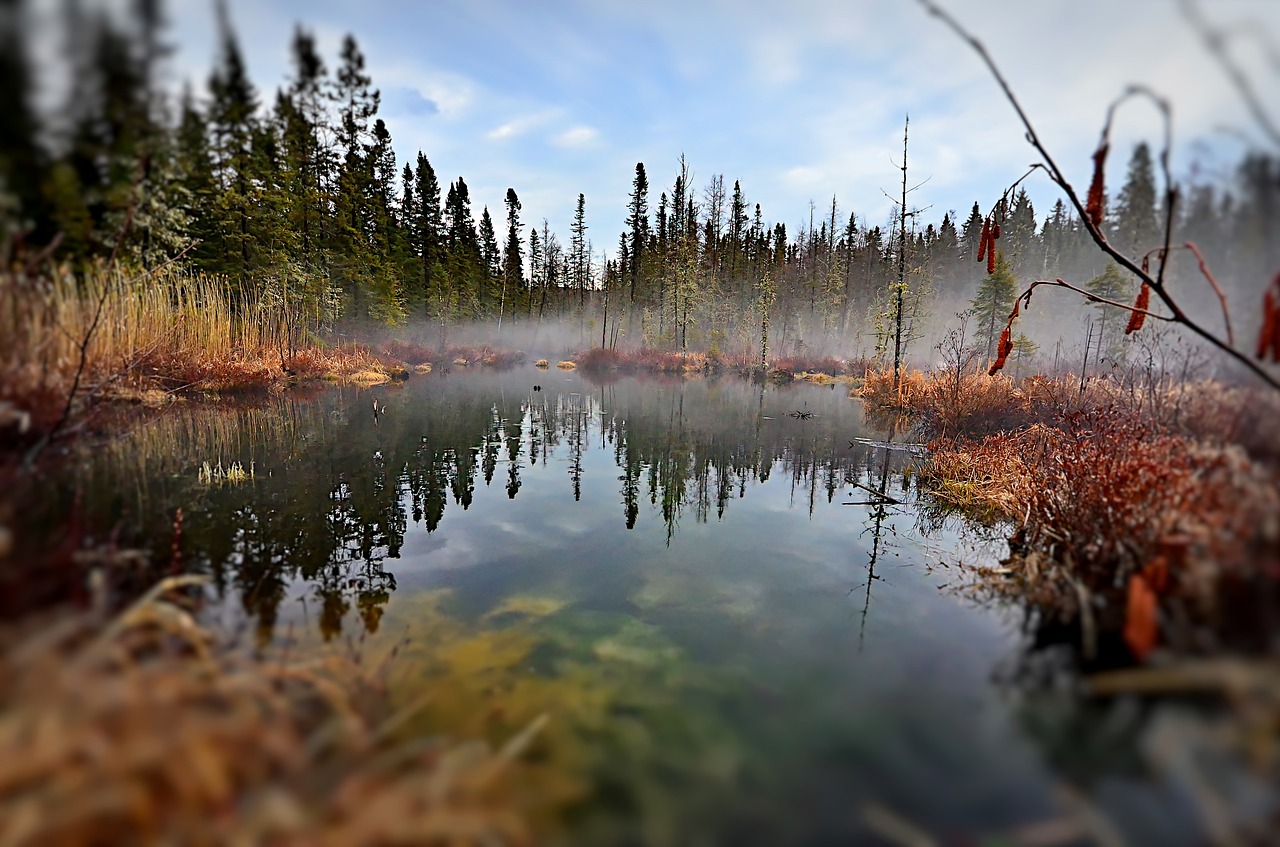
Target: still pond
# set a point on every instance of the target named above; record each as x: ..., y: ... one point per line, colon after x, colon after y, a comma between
x: 744, y: 621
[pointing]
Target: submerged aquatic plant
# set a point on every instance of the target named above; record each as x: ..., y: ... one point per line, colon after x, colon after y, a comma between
x: 233, y: 473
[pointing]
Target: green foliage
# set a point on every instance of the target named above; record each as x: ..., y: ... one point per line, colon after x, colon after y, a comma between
x: 1113, y: 284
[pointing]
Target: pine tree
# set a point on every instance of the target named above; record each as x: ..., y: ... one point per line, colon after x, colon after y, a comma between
x: 463, y: 261
x: 1135, y: 213
x: 579, y: 263
x: 194, y: 167
x: 427, y: 229
x: 357, y: 103
x: 536, y: 273
x: 512, y: 258
x: 638, y: 224
x: 232, y: 123
x: 971, y: 235
x: 490, y: 262
x: 304, y: 119
x: 993, y: 303
x: 1113, y: 284
x: 1023, y: 243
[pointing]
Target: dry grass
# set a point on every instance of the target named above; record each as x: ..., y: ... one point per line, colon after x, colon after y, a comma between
x: 140, y: 729
x: 566, y: 365
x: 877, y: 390
x: 168, y: 331
x: 1108, y: 499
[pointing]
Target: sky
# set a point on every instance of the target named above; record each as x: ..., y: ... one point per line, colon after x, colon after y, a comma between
x: 799, y: 101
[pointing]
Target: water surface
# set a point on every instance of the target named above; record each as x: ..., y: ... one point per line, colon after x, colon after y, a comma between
x: 744, y: 621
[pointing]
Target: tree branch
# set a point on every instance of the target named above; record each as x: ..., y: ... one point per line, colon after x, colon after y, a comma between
x: 1056, y: 174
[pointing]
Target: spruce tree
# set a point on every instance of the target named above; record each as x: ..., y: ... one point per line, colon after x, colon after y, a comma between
x: 357, y: 102
x: 638, y: 225
x: 427, y: 228
x: 310, y: 161
x: 1023, y: 242
x: 512, y: 258
x: 993, y: 303
x: 1113, y: 284
x: 1135, y: 221
x: 491, y: 263
x: 232, y: 122
x: 579, y: 262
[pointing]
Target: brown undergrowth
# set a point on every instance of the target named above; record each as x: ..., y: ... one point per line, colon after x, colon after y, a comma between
x: 142, y: 729
x: 1132, y: 532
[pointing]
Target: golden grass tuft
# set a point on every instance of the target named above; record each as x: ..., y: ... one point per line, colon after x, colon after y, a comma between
x: 542, y: 363
x: 877, y: 389
x: 566, y: 365
x: 140, y: 729
x: 366, y: 378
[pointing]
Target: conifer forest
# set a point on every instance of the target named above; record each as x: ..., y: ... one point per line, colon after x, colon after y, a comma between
x: 341, y: 504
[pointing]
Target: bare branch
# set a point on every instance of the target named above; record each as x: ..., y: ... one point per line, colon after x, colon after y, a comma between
x: 1056, y: 174
x: 1215, y: 41
x: 1217, y: 289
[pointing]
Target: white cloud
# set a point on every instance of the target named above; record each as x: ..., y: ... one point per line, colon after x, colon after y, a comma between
x: 578, y: 136
x: 516, y: 127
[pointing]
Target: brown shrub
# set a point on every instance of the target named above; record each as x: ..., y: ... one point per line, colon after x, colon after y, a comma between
x: 1101, y: 499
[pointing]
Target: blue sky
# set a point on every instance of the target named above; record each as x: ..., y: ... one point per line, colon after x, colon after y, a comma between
x: 798, y: 100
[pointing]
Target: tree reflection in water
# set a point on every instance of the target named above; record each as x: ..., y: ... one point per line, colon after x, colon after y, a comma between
x: 336, y: 489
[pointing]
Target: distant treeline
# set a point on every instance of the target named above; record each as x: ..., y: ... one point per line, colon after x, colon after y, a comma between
x: 300, y: 196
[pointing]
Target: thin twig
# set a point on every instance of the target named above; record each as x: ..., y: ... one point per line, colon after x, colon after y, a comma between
x: 1059, y: 177
x: 1217, y: 289
x: 1216, y: 43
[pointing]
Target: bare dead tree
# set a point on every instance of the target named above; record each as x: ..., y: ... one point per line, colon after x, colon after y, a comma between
x: 1091, y: 217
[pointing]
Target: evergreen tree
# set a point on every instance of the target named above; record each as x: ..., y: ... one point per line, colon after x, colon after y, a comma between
x: 579, y: 263
x: 1135, y: 224
x: 993, y: 303
x: 194, y: 166
x: 1026, y: 254
x: 1113, y: 284
x: 512, y: 258
x: 463, y: 260
x: 310, y: 162
x: 536, y: 273
x: 971, y: 235
x: 357, y: 103
x: 232, y: 124
x: 427, y: 229
x: 22, y: 164
x: 490, y: 259
x: 638, y: 224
